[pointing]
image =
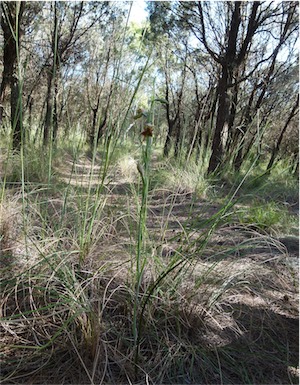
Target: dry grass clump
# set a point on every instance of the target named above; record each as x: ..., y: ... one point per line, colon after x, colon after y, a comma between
x: 11, y: 234
x: 79, y: 321
x: 218, y: 308
x: 127, y: 167
x: 188, y: 179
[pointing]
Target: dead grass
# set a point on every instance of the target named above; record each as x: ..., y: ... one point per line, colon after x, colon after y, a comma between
x: 230, y: 316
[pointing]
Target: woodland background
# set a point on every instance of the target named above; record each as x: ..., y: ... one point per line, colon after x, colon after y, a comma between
x: 226, y: 74
x: 149, y: 195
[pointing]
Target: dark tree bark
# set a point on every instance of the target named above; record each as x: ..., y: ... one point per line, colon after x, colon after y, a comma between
x: 279, y: 140
x: 49, y: 107
x: 30, y: 103
x: 230, y: 61
x: 50, y: 125
x: 10, y: 23
x: 96, y: 134
x: 178, y: 138
x: 222, y: 121
x: 173, y: 117
x: 172, y: 122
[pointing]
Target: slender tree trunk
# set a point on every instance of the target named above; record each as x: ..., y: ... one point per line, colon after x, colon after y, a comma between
x: 171, y: 122
x: 101, y: 127
x: 55, y: 113
x: 102, y: 124
x: 92, y: 131
x: 196, y: 136
x: 167, y: 146
x: 16, y: 113
x: 30, y: 106
x: 10, y: 24
x: 231, y: 119
x: 49, y: 108
x: 9, y: 56
x: 50, y: 126
x: 222, y: 120
x: 178, y: 139
x: 279, y: 140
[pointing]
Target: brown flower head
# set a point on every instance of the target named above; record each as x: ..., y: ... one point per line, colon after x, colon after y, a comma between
x: 148, y: 130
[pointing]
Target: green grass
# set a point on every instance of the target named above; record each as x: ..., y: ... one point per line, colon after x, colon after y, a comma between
x: 19, y: 167
x: 279, y: 185
x: 268, y: 202
x: 270, y: 217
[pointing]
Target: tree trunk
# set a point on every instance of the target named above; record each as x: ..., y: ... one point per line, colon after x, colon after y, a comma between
x: 55, y: 113
x: 93, y: 128
x: 222, y: 120
x: 101, y: 128
x: 277, y: 147
x: 171, y: 122
x: 167, y: 145
x: 10, y: 24
x: 16, y: 113
x: 30, y: 106
x: 50, y: 126
x: 49, y: 108
x: 178, y: 139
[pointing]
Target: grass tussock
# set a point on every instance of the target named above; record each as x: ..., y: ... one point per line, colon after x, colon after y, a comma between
x: 270, y: 217
x: 127, y: 167
x: 10, y: 230
x: 189, y: 178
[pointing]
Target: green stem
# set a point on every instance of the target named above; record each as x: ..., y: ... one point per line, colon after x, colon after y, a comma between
x: 140, y: 255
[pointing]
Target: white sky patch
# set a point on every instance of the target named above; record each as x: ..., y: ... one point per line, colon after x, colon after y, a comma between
x: 138, y: 13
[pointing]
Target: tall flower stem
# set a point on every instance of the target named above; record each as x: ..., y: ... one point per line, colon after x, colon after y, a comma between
x: 144, y: 170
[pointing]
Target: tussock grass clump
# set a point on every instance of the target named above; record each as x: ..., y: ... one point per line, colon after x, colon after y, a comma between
x: 269, y: 217
x: 278, y: 185
x: 127, y: 166
x: 189, y: 178
x: 33, y: 165
x: 78, y: 320
x: 11, y: 224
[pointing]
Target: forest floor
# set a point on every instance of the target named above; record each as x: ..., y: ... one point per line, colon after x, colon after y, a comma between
x: 237, y: 303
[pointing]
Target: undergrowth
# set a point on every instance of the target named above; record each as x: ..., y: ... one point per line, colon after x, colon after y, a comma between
x: 117, y: 283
